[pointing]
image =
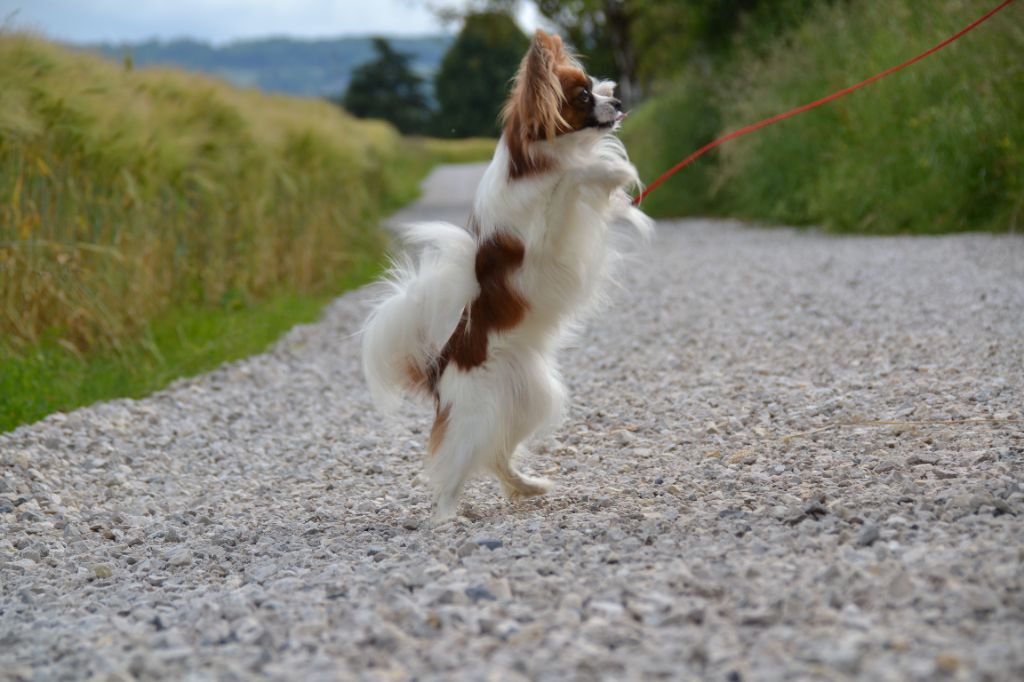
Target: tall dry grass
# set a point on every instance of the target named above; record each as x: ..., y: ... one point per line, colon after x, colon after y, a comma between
x: 125, y: 194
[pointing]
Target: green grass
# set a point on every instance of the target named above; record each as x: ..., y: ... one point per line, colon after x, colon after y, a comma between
x: 52, y: 376
x: 155, y: 223
x: 936, y: 148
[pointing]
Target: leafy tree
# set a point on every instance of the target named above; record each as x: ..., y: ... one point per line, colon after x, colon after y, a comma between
x: 387, y: 88
x: 474, y: 77
x: 675, y: 36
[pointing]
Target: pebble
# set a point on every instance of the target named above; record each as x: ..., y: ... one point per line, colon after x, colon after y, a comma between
x: 947, y: 663
x: 180, y: 557
x: 868, y: 535
x: 478, y: 593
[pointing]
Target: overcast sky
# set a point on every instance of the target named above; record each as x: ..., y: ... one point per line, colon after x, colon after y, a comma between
x: 223, y: 20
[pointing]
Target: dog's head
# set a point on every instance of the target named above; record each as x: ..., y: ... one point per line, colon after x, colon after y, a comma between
x: 553, y: 96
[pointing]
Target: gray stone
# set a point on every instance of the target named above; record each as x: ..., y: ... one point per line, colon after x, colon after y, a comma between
x: 868, y: 535
x: 477, y: 593
x: 180, y: 557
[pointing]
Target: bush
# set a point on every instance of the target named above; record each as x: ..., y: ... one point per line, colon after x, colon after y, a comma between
x: 664, y: 131
x: 935, y: 148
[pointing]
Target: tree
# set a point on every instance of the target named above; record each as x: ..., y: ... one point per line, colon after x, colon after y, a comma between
x: 475, y: 73
x: 638, y: 41
x: 387, y: 88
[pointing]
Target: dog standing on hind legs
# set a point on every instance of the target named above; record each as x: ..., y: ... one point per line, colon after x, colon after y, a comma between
x: 475, y: 317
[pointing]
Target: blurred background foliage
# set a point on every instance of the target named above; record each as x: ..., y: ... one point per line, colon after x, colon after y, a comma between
x: 933, y: 149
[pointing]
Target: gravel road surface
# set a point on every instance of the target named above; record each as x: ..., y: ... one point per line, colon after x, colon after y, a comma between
x: 789, y: 456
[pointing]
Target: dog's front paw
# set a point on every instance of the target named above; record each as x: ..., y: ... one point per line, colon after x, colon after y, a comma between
x: 622, y: 175
x: 611, y: 175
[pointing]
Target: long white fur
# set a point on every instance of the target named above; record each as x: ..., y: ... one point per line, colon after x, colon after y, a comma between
x: 424, y: 295
x: 563, y: 217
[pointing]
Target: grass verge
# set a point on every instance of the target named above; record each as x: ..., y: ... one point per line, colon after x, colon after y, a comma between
x: 51, y: 376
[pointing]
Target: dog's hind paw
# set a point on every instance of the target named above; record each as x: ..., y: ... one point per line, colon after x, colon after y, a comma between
x: 522, y: 487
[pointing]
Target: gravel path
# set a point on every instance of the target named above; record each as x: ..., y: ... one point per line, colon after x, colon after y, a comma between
x: 717, y: 514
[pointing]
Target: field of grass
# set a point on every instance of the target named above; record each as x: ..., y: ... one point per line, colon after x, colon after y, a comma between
x: 155, y: 223
x: 936, y: 148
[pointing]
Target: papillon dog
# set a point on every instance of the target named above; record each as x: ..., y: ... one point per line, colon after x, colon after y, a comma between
x: 473, y: 319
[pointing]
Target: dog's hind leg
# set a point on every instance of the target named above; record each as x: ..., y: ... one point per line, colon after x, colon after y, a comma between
x: 451, y: 454
x: 537, y: 402
x: 472, y: 419
x: 482, y: 418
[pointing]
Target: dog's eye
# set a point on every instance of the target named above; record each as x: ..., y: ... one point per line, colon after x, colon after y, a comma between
x: 584, y: 95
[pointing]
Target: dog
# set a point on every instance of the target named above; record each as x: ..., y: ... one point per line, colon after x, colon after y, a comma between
x: 475, y: 318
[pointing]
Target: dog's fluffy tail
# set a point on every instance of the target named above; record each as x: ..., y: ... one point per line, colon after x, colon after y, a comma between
x: 423, y: 298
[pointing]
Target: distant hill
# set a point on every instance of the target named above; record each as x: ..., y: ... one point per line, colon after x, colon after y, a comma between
x: 312, y: 68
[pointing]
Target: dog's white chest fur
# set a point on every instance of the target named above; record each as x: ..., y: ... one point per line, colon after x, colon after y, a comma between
x: 563, y: 218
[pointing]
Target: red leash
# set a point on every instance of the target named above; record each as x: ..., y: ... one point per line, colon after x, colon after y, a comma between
x: 817, y: 103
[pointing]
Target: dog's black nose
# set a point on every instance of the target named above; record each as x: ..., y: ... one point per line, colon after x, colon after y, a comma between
x: 617, y: 103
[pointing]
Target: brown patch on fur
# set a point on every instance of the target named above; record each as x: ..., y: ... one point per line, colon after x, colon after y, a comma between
x: 499, y: 307
x: 438, y: 430
x: 523, y: 163
x: 533, y: 109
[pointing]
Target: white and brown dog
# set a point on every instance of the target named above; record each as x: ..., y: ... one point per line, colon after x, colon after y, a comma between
x: 475, y: 319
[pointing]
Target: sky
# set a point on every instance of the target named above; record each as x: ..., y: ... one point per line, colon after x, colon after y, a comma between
x: 220, y: 21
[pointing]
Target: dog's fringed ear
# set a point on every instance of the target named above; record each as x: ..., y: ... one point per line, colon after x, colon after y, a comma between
x: 535, y: 103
